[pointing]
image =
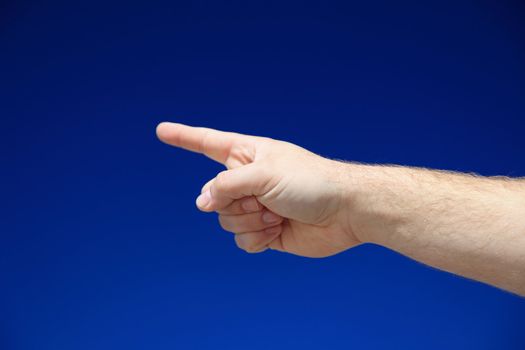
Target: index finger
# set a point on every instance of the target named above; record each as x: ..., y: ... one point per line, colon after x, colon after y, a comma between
x: 213, y: 143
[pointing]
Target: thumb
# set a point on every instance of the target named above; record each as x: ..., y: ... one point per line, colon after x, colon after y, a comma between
x: 233, y: 184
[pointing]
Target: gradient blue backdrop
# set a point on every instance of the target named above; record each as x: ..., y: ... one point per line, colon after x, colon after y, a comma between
x: 101, y: 245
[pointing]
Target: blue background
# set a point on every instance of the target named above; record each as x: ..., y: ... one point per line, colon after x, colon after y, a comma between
x: 101, y: 245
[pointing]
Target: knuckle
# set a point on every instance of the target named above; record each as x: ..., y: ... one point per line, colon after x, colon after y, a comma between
x: 204, y: 142
x: 267, y: 172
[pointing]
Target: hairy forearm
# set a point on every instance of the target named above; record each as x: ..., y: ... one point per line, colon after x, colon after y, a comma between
x: 470, y: 225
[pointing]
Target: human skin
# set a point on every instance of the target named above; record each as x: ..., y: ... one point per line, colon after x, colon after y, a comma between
x: 277, y: 195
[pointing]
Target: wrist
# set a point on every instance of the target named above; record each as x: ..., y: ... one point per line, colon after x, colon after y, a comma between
x: 371, y: 197
x: 350, y: 178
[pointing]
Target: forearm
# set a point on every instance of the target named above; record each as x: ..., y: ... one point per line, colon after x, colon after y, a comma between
x: 469, y: 225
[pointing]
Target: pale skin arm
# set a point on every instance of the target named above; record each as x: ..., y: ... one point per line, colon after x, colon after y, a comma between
x: 469, y: 225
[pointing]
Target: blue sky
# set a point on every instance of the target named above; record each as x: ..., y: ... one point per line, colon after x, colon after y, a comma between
x: 101, y: 245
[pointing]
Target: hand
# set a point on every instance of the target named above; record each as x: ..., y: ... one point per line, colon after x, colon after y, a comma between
x: 274, y: 194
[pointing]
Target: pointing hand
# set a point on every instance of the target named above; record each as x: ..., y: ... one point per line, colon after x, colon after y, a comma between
x: 273, y: 194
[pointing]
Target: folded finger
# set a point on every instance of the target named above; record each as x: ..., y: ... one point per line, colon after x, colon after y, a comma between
x: 257, y: 242
x: 242, y: 206
x: 249, y: 222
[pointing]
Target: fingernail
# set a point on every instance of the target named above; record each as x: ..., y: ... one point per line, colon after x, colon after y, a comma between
x: 270, y: 217
x: 250, y: 205
x: 204, y: 199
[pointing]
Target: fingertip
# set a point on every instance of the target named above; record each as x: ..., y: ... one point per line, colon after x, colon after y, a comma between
x: 162, y: 129
x: 205, y: 202
x: 165, y: 130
